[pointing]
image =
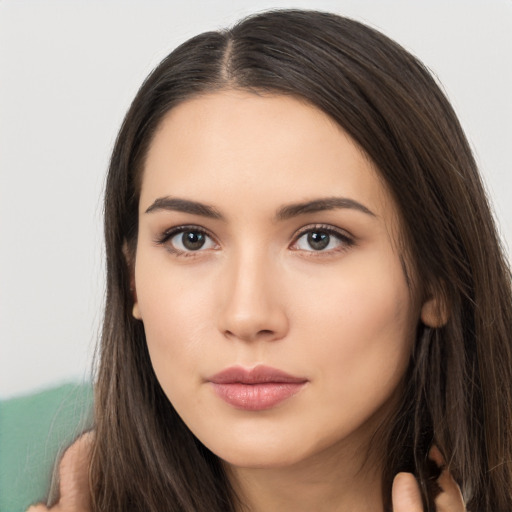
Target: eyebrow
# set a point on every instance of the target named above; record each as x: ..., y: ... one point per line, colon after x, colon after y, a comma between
x: 318, y: 205
x: 283, y: 213
x: 186, y: 206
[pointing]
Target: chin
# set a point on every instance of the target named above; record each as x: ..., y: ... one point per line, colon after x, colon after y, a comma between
x: 267, y: 452
x: 260, y: 459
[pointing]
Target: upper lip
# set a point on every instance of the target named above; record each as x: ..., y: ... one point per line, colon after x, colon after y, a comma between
x: 258, y: 375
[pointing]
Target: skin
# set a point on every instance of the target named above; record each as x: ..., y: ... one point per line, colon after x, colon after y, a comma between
x: 257, y: 292
x: 75, y: 496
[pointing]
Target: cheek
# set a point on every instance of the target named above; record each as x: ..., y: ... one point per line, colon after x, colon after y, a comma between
x: 176, y: 309
x: 363, y: 331
x: 366, y: 317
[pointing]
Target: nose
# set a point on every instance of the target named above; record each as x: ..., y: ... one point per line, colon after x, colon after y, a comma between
x: 254, y: 306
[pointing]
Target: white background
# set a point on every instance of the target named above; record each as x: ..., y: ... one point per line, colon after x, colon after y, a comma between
x: 68, y: 71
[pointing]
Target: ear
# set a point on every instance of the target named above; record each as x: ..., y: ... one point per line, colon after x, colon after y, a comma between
x: 136, y: 311
x: 130, y: 263
x: 434, y: 311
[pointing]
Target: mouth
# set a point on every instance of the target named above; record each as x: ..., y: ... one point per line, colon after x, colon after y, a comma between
x: 255, y: 389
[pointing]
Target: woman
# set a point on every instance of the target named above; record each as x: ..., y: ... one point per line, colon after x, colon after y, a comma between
x: 306, y: 293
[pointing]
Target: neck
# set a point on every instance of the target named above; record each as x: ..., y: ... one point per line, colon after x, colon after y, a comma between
x: 340, y: 480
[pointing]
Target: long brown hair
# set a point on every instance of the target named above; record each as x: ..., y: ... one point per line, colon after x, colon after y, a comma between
x: 458, y: 388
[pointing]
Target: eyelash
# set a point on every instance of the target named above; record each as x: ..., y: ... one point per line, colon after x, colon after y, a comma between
x: 346, y: 241
x: 167, y: 235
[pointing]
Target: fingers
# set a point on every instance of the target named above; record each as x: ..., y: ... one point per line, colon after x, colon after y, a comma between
x: 74, y: 479
x: 405, y: 494
x: 74, y: 476
x: 450, y: 499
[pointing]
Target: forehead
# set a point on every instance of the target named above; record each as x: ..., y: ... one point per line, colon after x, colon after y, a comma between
x: 239, y: 145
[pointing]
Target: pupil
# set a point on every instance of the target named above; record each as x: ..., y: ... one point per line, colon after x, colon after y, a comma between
x: 193, y: 240
x: 318, y: 240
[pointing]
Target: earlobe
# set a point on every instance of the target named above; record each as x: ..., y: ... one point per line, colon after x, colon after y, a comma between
x: 136, y: 311
x: 434, y: 312
x: 130, y: 264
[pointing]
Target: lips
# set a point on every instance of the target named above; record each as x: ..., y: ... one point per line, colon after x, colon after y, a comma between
x: 255, y: 389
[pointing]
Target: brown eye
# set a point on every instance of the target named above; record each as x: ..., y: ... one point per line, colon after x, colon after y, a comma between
x: 318, y: 240
x: 188, y: 240
x: 193, y: 240
x: 322, y: 239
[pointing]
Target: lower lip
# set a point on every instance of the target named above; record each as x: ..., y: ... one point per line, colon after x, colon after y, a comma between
x: 256, y: 397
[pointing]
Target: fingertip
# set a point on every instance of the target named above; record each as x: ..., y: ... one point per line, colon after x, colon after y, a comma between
x: 406, y: 495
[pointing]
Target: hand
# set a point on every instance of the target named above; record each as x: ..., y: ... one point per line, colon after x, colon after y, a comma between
x: 406, y: 495
x: 74, y: 479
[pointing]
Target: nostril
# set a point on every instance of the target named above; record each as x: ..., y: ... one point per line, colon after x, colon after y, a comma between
x: 250, y: 336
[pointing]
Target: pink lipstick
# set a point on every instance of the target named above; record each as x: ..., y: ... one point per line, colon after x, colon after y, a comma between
x: 255, y: 389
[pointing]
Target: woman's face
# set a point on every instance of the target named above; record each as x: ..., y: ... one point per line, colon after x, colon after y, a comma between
x: 269, y: 281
